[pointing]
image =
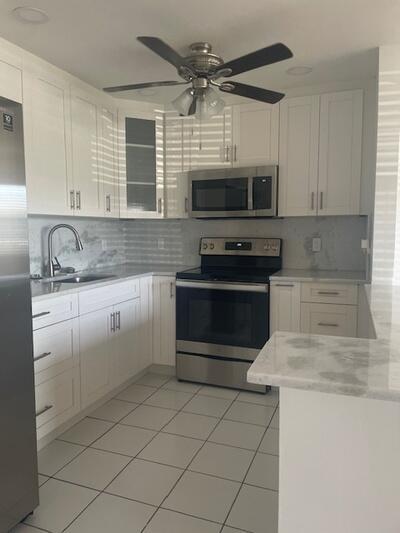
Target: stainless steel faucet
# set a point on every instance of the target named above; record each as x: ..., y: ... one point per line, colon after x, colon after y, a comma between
x: 53, y: 263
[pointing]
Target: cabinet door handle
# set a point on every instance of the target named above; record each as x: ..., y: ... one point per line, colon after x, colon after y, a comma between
x: 186, y: 205
x: 112, y: 322
x: 118, y: 320
x: 329, y: 324
x: 312, y: 201
x: 108, y: 203
x: 171, y: 289
x: 235, y: 152
x: 42, y: 356
x: 321, y: 200
x: 283, y: 285
x: 72, y: 199
x: 78, y: 199
x: 43, y: 313
x: 329, y: 293
x: 43, y: 410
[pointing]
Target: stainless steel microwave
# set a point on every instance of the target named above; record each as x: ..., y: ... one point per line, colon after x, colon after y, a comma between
x: 233, y: 192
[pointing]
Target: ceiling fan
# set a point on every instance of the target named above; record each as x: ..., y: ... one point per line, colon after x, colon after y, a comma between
x: 202, y: 69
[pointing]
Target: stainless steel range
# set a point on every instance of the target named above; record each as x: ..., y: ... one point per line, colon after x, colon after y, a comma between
x: 222, y: 310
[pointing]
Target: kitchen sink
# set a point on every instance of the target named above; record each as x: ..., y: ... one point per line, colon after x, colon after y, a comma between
x: 80, y: 279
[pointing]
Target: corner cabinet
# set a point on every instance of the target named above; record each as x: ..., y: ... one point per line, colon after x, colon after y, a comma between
x: 70, y: 146
x: 47, y: 133
x: 320, y: 154
x: 141, y: 163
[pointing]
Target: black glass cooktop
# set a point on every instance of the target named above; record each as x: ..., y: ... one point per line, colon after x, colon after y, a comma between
x: 254, y: 275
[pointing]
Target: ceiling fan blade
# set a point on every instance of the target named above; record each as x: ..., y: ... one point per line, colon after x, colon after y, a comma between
x: 163, y: 50
x: 266, y: 56
x: 248, y: 91
x: 143, y: 86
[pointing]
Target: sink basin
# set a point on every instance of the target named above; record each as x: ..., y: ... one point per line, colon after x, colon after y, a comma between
x: 82, y: 279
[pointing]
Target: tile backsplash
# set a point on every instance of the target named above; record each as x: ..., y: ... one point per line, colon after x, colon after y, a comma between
x: 103, y: 242
x: 111, y: 242
x: 177, y: 241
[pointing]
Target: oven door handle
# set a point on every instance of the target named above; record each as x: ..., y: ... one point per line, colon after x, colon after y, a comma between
x: 245, y: 287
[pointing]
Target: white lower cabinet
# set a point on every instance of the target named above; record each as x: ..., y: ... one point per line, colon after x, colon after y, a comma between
x: 285, y: 307
x: 126, y: 342
x: 329, y: 319
x: 96, y: 354
x: 57, y: 400
x: 164, y: 320
x: 315, y: 308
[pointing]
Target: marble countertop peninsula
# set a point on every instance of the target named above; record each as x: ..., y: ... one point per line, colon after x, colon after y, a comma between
x: 363, y: 367
x: 325, y: 276
x: 42, y: 289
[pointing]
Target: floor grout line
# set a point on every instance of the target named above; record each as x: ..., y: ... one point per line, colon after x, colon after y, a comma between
x: 158, y: 432
x: 243, y: 482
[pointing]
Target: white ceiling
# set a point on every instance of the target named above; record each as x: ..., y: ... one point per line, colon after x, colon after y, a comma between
x: 95, y: 39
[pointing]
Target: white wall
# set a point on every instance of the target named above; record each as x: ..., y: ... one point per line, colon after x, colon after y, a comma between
x: 386, y: 240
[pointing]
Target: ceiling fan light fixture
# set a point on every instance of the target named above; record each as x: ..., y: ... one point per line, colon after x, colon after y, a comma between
x: 183, y: 102
x: 209, y: 104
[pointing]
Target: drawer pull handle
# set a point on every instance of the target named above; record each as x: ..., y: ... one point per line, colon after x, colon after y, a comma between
x: 42, y: 356
x: 44, y: 410
x: 283, y: 285
x: 38, y: 315
x: 331, y: 325
x: 329, y: 293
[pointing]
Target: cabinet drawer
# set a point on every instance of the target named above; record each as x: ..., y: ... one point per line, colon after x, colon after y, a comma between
x: 57, y: 400
x: 330, y: 293
x: 55, y: 349
x: 329, y: 319
x: 94, y: 299
x: 56, y: 309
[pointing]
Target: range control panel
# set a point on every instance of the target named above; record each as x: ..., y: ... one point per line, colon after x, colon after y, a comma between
x: 232, y: 246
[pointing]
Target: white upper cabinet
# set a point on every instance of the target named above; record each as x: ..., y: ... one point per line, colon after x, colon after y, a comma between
x: 47, y: 131
x: 10, y: 81
x: 320, y: 154
x: 107, y: 122
x: 176, y: 192
x: 298, y: 156
x: 141, y: 162
x: 85, y: 155
x: 340, y: 153
x: 255, y: 134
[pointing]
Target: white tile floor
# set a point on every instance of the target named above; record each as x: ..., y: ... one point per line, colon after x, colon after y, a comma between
x: 164, y: 457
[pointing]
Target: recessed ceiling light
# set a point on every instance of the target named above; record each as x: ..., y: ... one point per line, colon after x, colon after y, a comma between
x: 298, y: 71
x: 30, y: 15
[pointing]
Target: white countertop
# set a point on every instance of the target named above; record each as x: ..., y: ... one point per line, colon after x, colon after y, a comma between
x: 367, y: 368
x: 43, y: 289
x: 326, y: 276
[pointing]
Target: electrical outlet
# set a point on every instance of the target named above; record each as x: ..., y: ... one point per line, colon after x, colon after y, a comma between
x: 316, y: 244
x: 104, y: 245
x: 161, y: 243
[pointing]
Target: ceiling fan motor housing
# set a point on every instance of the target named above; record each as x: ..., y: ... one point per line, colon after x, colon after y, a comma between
x: 202, y: 60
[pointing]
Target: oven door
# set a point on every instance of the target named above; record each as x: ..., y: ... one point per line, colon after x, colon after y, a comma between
x: 222, y: 319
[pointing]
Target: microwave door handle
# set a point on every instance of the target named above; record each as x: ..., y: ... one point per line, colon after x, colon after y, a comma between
x: 250, y: 194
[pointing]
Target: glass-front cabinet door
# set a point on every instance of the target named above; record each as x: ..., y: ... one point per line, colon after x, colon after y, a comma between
x: 141, y: 165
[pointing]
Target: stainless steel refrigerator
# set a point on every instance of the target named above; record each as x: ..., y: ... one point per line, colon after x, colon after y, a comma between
x: 18, y: 460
